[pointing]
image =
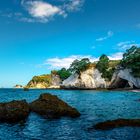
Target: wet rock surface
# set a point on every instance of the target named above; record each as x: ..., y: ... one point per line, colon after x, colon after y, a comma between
x: 14, y: 111
x: 50, y: 106
x: 107, y: 125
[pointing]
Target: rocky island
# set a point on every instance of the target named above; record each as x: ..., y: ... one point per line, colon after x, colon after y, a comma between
x: 103, y: 74
x: 18, y: 86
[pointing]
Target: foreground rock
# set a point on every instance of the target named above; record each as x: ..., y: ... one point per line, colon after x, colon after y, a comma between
x: 14, y: 111
x: 117, y: 123
x: 50, y: 106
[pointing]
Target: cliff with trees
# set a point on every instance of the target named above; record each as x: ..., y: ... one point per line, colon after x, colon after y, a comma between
x: 105, y: 73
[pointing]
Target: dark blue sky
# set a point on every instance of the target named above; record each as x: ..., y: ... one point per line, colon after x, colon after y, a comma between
x: 37, y: 36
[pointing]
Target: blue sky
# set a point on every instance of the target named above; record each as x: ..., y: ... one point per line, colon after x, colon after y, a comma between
x: 39, y: 35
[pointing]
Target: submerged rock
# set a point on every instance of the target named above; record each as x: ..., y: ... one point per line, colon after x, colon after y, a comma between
x: 117, y: 123
x: 26, y: 89
x: 14, y: 111
x: 50, y: 106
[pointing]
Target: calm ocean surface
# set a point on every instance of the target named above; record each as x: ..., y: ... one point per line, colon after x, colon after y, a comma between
x: 95, y: 106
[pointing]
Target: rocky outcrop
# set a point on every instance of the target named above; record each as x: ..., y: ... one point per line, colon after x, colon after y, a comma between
x: 37, y: 85
x: 18, y: 86
x: 55, y: 81
x: 107, y: 125
x: 14, y: 111
x: 89, y: 79
x: 123, y: 78
x: 92, y: 79
x: 50, y: 106
x: 40, y: 82
x: 45, y: 81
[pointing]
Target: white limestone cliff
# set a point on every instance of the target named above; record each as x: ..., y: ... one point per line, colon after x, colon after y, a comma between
x: 91, y: 78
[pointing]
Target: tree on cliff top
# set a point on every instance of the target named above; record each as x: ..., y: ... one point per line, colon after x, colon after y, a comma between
x: 64, y: 73
x: 131, y: 60
x: 103, y: 63
x: 103, y: 67
x: 78, y: 66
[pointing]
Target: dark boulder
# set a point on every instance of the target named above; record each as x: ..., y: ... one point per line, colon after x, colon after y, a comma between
x: 50, y: 106
x: 14, y: 111
x: 117, y: 123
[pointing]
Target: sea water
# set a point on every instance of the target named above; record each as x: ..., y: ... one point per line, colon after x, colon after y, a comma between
x: 94, y: 106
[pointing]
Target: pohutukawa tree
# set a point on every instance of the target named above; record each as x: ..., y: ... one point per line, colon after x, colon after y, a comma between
x: 78, y: 66
x: 131, y: 60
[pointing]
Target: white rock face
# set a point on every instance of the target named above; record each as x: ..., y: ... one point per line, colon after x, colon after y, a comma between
x: 90, y: 78
x: 126, y: 75
x: 56, y: 81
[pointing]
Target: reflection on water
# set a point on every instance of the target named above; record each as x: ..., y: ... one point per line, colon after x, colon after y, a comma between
x: 95, y: 106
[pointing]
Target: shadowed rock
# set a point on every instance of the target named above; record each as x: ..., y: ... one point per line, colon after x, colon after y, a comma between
x: 14, y: 111
x: 50, y: 106
x: 117, y: 123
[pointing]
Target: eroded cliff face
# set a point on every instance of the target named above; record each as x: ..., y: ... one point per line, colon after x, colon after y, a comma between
x: 45, y: 81
x: 123, y: 78
x: 89, y: 79
x: 92, y: 79
x: 37, y: 85
x: 55, y: 81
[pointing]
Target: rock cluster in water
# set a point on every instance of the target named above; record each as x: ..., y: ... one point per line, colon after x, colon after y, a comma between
x: 48, y: 106
x: 117, y: 123
x: 14, y: 111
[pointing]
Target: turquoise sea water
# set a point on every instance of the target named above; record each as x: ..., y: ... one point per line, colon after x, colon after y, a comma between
x: 95, y: 106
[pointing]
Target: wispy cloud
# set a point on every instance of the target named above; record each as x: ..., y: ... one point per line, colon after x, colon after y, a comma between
x: 58, y: 63
x: 41, y: 11
x: 73, y: 5
x: 126, y: 45
x: 109, y: 34
x: 10, y: 14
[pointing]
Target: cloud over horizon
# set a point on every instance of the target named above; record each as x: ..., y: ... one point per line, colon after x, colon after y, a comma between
x: 58, y: 63
x: 126, y: 45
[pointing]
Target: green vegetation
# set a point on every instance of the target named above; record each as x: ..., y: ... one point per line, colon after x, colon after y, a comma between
x: 114, y: 63
x: 64, y: 73
x: 131, y: 60
x: 78, y: 66
x: 46, y: 78
x: 106, y: 67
